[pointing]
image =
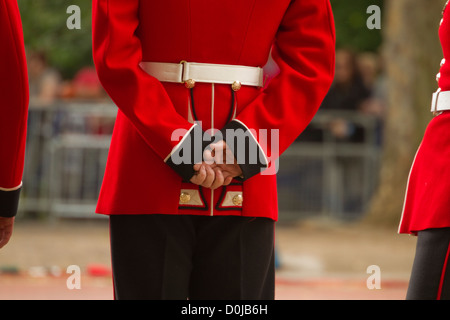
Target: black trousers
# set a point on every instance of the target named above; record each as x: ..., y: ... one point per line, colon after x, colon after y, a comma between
x: 430, y: 277
x: 174, y: 257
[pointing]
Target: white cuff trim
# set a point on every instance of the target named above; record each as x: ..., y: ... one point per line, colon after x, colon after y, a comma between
x: 257, y: 142
x: 11, y: 189
x: 180, y: 143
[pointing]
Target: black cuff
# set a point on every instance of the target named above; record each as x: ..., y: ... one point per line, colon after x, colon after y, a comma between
x: 9, y: 203
x: 246, y: 149
x: 189, y: 152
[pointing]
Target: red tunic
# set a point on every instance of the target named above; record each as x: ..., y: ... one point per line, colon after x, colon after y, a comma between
x: 13, y: 106
x: 139, y: 179
x: 444, y: 34
x: 427, y: 200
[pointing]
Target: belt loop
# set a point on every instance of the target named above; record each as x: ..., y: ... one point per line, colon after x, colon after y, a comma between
x: 435, y: 102
x: 189, y: 83
x: 183, y: 63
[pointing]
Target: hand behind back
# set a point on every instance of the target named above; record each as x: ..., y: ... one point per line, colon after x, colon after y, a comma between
x: 218, y: 168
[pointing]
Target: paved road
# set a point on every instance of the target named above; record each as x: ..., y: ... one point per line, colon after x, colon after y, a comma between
x: 99, y: 288
x: 317, y: 261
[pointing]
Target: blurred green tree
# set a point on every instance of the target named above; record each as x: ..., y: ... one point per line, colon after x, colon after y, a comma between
x: 45, y: 31
x: 412, y: 54
x: 351, y: 25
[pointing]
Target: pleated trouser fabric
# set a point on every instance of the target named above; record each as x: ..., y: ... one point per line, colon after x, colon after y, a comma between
x: 165, y: 257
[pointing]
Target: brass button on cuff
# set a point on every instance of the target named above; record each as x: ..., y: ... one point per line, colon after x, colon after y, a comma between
x: 238, y: 200
x: 185, y: 197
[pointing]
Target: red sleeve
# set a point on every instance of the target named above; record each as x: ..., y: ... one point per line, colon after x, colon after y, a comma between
x: 142, y: 98
x: 304, y: 50
x: 13, y: 107
x: 444, y: 34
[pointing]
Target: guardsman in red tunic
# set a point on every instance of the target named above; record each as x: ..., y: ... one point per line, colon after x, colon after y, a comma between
x: 426, y: 210
x: 187, y: 77
x: 14, y: 111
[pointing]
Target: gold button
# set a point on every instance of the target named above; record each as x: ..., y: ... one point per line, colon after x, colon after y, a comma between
x: 190, y: 83
x: 236, y: 86
x: 185, y: 197
x: 238, y: 200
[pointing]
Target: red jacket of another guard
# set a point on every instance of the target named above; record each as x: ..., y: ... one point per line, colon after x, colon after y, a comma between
x: 141, y: 176
x: 13, y: 107
x: 426, y: 201
x: 444, y: 35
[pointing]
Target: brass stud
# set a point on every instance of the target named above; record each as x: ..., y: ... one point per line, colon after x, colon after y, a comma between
x: 190, y: 83
x: 185, y: 197
x: 236, y: 86
x: 238, y: 200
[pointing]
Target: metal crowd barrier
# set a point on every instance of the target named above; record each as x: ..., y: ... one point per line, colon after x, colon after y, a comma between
x: 330, y: 177
x: 67, y: 148
x: 68, y: 145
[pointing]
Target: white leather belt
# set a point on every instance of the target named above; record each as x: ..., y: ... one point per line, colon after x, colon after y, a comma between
x: 191, y: 72
x: 440, y: 101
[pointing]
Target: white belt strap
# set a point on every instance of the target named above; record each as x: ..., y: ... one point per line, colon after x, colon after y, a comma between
x: 440, y: 101
x: 204, y: 72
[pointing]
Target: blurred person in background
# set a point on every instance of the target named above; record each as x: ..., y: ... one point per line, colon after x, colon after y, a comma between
x: 372, y: 72
x: 44, y: 81
x: 195, y: 230
x: 14, y: 98
x: 347, y: 93
x: 426, y: 211
x: 86, y: 84
x: 343, y: 103
x: 350, y: 92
